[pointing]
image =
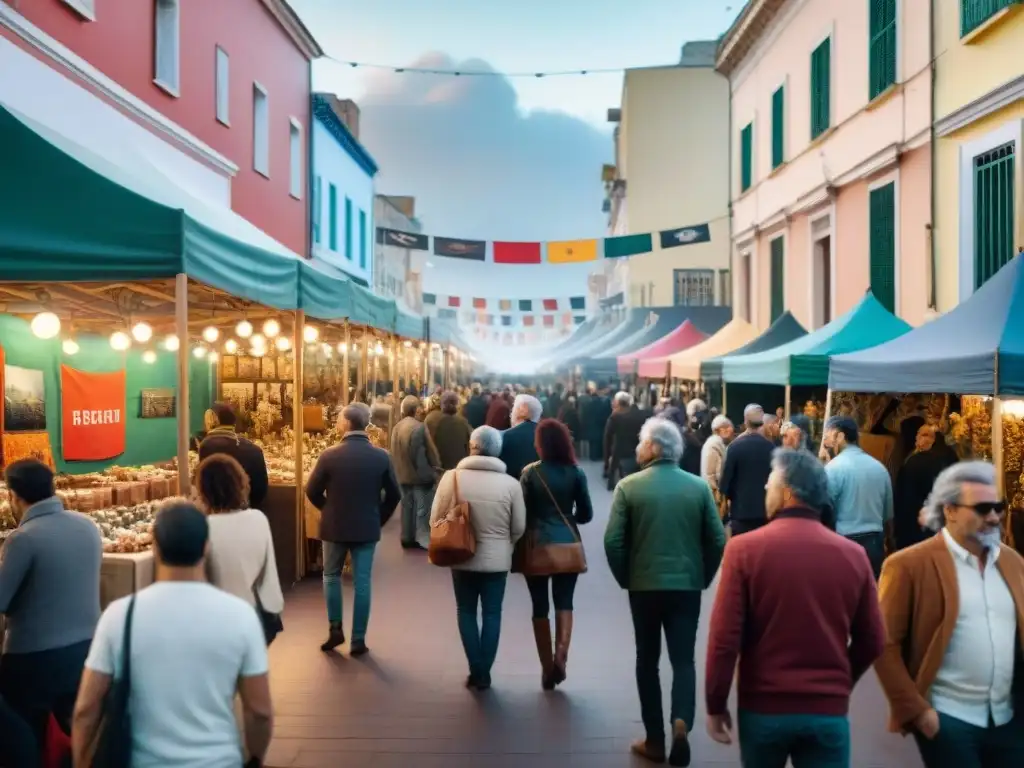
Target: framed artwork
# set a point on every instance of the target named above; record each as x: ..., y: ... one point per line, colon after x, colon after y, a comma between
x: 229, y: 367
x: 158, y: 404
x: 24, y: 400
x: 248, y: 367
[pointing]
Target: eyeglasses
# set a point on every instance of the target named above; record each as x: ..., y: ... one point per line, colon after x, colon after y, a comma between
x: 985, y: 508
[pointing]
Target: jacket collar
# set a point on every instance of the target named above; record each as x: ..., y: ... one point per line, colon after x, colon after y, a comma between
x: 43, y: 508
x: 355, y: 435
x: 798, y: 513
x: 483, y: 463
x: 223, y: 430
x: 657, y: 462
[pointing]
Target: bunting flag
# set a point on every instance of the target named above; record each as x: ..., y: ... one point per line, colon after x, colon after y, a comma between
x: 627, y: 245
x: 579, y: 319
x: 516, y: 253
x: 525, y: 305
x: 572, y: 251
x: 474, y: 250
x: 479, y: 303
x: 549, y: 321
x: 578, y: 302
x: 673, y: 238
x: 454, y: 301
x: 567, y: 318
x: 430, y: 299
x: 413, y: 241
x: 506, y: 319
x: 550, y: 305
x: 528, y: 320
x: 447, y: 314
x: 505, y: 305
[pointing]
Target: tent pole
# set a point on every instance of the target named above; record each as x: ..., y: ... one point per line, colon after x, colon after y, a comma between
x: 299, y: 345
x: 393, y: 365
x: 345, y: 363
x: 789, y: 394
x: 184, y: 422
x: 997, y: 431
x: 724, y: 401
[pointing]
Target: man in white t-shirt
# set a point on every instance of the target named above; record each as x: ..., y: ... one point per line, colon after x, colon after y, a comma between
x: 194, y: 647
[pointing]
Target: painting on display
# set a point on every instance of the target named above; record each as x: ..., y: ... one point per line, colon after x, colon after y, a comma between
x: 158, y: 404
x: 24, y: 400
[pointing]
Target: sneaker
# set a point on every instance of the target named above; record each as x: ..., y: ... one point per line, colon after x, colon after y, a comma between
x: 335, y: 637
x: 358, y: 648
x: 648, y: 750
x: 680, y: 752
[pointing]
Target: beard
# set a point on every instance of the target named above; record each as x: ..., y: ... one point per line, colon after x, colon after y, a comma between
x: 990, y: 538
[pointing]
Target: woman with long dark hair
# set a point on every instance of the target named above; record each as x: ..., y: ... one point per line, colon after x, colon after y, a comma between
x: 551, y: 555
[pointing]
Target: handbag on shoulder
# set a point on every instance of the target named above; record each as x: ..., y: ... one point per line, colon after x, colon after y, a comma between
x: 271, y: 622
x: 114, y: 739
x: 452, y: 541
x: 533, y: 558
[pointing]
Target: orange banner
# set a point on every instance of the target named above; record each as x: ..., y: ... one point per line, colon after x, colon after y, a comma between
x: 93, y: 414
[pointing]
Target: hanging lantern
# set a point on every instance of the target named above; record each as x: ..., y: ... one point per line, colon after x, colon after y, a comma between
x: 310, y: 334
x: 379, y: 349
x: 244, y: 329
x: 45, y: 325
x: 211, y: 334
x: 142, y: 332
x: 213, y: 356
x: 199, y: 352
x: 407, y: 343
x: 258, y: 351
x: 271, y: 328
x: 120, y: 341
x: 231, y: 346
x: 70, y: 346
x: 149, y: 357
x: 258, y: 340
x: 282, y: 343
x: 171, y: 343
x: 341, y: 347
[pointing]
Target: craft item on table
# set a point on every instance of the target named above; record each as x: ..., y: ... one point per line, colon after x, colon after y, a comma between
x: 27, y: 445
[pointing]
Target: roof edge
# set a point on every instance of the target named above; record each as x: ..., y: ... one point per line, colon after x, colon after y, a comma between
x: 741, y: 36
x: 324, y: 112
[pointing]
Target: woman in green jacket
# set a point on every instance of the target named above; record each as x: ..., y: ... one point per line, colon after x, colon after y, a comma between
x: 557, y: 503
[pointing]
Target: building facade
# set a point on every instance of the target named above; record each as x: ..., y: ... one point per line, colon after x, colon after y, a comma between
x: 831, y: 157
x: 671, y: 171
x: 221, y: 89
x: 979, y: 114
x: 343, y: 190
x: 394, y: 275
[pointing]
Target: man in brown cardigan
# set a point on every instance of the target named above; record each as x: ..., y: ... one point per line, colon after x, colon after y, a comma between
x: 953, y: 664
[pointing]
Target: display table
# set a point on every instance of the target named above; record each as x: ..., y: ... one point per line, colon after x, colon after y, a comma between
x: 281, y: 510
x: 124, y: 574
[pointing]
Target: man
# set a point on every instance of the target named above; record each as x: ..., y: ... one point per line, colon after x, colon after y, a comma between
x: 621, y: 437
x: 859, y: 489
x: 796, y: 603
x: 953, y: 665
x: 796, y: 433
x: 450, y: 432
x: 224, y: 439
x: 664, y: 543
x: 416, y: 469
x: 517, y: 443
x: 712, y: 454
x: 748, y: 463
x: 353, y: 485
x: 194, y: 648
x: 771, y: 429
x: 50, y: 596
x: 475, y: 410
x: 914, y: 482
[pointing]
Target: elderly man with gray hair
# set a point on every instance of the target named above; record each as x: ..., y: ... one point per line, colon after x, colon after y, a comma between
x: 952, y: 666
x: 621, y: 437
x: 417, y: 467
x: 712, y: 453
x: 517, y: 443
x: 354, y: 486
x: 748, y: 463
x: 664, y: 543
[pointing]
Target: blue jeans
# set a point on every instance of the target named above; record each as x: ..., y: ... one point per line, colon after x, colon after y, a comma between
x: 811, y: 741
x: 962, y: 745
x: 484, y: 592
x: 362, y: 570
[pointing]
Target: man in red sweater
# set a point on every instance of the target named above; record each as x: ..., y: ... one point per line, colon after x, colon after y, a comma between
x: 797, y: 604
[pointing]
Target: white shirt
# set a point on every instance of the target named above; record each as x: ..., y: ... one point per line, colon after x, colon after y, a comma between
x: 976, y: 676
x: 190, y: 644
x: 242, y: 556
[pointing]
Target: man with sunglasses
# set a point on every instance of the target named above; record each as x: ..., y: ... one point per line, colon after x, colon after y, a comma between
x: 953, y: 664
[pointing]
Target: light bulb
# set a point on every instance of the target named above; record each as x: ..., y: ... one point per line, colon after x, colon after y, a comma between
x: 271, y: 328
x: 328, y: 351
x: 310, y: 334
x: 211, y: 334
x: 258, y: 340
x: 244, y: 329
x: 46, y: 325
x: 408, y: 343
x: 142, y: 332
x: 378, y: 350
x: 120, y: 341
x: 199, y: 352
x: 212, y: 357
x: 149, y: 356
x: 171, y: 343
x: 70, y: 347
x: 258, y: 351
x: 341, y: 347
x: 282, y: 343
x: 231, y: 346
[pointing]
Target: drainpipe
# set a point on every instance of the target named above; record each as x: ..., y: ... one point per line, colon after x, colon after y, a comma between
x: 728, y: 201
x: 933, y: 303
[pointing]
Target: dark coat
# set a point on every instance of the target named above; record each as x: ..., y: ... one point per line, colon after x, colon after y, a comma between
x: 748, y: 462
x: 499, y: 414
x: 353, y: 484
x: 692, y: 446
x: 571, y: 418
x: 914, y: 483
x: 622, y: 433
x: 475, y: 411
x: 594, y: 413
x: 228, y: 442
x: 517, y: 449
x: 451, y: 436
x: 568, y: 485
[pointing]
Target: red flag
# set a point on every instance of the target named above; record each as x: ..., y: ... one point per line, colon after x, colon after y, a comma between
x: 567, y: 318
x: 479, y: 303
x: 527, y: 320
x: 516, y: 253
x: 454, y: 301
x: 549, y: 321
x: 551, y: 305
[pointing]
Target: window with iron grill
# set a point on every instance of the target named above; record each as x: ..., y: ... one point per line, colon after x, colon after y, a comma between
x: 694, y: 287
x: 993, y: 211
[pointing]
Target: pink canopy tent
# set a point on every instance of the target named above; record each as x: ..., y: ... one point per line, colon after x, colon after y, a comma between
x: 683, y: 337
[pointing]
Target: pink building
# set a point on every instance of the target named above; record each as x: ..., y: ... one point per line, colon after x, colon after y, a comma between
x: 831, y: 157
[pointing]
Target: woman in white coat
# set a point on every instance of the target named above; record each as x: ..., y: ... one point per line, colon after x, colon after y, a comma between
x: 498, y: 517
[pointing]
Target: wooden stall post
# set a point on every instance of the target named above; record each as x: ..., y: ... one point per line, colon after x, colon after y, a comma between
x: 360, y: 366
x: 446, y: 361
x: 725, y: 403
x: 997, y: 431
x: 788, y: 396
x: 299, y: 345
x: 184, y: 423
x: 828, y: 406
x: 394, y: 385
x: 344, y: 364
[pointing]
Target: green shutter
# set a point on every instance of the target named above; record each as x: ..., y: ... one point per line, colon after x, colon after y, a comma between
x: 993, y: 212
x: 318, y: 203
x: 821, y: 84
x: 746, y: 157
x: 778, y: 278
x: 362, y: 239
x: 348, y: 229
x: 779, y: 127
x: 974, y: 13
x: 882, y: 244
x: 332, y: 202
x: 881, y: 46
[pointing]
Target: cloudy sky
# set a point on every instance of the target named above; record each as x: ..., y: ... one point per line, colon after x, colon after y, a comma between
x: 515, y: 158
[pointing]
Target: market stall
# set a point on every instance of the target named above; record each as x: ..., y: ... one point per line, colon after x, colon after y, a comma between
x: 686, y: 363
x: 685, y: 336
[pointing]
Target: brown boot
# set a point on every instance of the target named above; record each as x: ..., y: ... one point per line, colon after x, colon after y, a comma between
x: 542, y: 636
x: 563, y: 632
x: 648, y: 750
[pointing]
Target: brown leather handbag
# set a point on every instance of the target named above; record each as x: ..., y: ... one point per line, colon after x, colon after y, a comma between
x: 536, y: 559
x: 452, y: 541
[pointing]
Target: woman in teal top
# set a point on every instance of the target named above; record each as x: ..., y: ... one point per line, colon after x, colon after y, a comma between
x: 557, y: 502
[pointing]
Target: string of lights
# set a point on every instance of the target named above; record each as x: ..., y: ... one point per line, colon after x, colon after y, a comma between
x: 476, y: 72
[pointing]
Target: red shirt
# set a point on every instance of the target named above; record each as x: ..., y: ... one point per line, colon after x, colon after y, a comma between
x: 797, y: 604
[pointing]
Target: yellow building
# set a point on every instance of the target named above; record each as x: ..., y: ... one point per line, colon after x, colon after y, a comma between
x: 979, y: 112
x: 671, y: 170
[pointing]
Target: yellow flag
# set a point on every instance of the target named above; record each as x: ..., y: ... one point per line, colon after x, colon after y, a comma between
x: 570, y: 251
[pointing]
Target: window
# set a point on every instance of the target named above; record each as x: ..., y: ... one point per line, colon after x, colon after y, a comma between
x: 821, y: 83
x: 974, y: 13
x: 84, y: 8
x: 222, y: 81
x: 348, y: 229
x: 318, y: 202
x: 882, y: 244
x: 778, y: 278
x: 779, y: 127
x: 168, y: 45
x: 694, y: 287
x: 994, y: 207
x: 746, y: 157
x: 332, y: 212
x: 882, y: 46
x: 362, y: 239
x: 295, y: 159
x: 260, y: 131
x: 724, y: 288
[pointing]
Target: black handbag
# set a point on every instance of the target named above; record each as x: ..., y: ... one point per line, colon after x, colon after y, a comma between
x: 114, y: 742
x: 271, y: 622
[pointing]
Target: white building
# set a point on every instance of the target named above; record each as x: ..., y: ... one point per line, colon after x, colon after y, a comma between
x: 395, y: 276
x: 343, y: 190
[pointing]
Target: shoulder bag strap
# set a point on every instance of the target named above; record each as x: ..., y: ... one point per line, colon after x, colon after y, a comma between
x: 540, y: 476
x: 126, y: 645
x: 455, y: 484
x: 259, y: 580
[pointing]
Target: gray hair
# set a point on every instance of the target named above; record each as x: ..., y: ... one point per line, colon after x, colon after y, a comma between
x: 720, y: 421
x: 357, y: 415
x: 664, y: 434
x: 947, y: 489
x: 753, y: 415
x: 624, y: 399
x: 695, y: 406
x: 531, y: 403
x: 450, y: 402
x: 804, y: 474
x: 487, y: 441
x: 409, y: 405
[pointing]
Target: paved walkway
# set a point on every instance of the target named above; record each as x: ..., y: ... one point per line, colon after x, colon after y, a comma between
x: 405, y: 705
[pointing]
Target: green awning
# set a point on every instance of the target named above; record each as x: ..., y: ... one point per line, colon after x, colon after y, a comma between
x: 370, y: 309
x: 324, y: 293
x: 804, y: 361
x: 409, y: 326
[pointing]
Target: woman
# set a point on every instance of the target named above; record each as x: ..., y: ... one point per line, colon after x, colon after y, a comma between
x: 498, y: 517
x: 241, y: 557
x: 557, y: 502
